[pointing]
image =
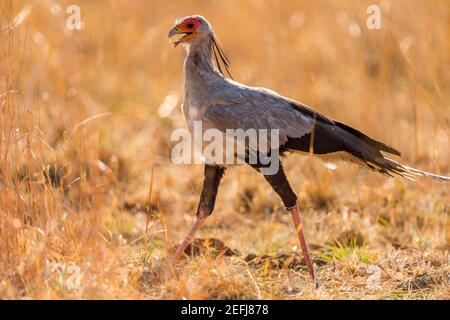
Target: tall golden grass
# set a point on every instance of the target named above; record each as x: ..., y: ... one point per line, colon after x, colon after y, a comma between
x: 90, y: 204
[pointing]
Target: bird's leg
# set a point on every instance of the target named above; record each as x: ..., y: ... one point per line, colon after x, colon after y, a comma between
x: 213, y: 175
x: 281, y: 186
x: 200, y: 220
x: 295, y: 212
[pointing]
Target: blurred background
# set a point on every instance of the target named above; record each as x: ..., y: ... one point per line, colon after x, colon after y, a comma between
x: 88, y: 192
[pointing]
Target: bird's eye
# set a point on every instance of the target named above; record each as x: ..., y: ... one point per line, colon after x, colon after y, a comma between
x: 190, y: 25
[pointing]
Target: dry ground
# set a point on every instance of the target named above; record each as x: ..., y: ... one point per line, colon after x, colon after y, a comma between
x: 86, y: 118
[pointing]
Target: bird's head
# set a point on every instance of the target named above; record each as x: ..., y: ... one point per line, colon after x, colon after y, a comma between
x: 192, y: 28
x: 197, y: 30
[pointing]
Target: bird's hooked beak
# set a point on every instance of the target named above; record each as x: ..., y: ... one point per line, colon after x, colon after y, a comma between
x: 175, y: 31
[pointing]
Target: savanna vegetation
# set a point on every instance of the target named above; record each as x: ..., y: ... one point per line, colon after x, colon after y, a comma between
x: 91, y: 205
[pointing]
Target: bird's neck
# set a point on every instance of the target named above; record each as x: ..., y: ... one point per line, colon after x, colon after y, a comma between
x: 201, y: 79
x: 199, y: 66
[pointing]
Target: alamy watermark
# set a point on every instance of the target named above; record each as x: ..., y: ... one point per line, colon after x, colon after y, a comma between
x: 374, y: 277
x: 374, y: 18
x: 232, y: 147
x: 74, y: 19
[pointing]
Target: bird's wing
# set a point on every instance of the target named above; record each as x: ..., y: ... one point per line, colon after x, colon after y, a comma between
x: 289, y: 122
x: 301, y: 128
x: 257, y: 108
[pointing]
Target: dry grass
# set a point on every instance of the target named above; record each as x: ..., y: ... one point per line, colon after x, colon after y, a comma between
x: 81, y: 133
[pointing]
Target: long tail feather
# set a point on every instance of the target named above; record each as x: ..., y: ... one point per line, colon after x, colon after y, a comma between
x: 390, y: 167
x: 417, y: 172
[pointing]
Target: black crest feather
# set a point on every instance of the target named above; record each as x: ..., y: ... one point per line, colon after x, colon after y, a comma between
x: 220, y: 57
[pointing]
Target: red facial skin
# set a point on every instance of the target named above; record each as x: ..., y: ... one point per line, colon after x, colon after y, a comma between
x: 190, y: 24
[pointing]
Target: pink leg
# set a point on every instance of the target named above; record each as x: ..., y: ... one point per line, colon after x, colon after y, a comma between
x: 189, y: 237
x: 301, y: 236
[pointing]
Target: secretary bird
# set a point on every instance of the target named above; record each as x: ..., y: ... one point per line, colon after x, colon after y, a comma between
x: 221, y: 103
